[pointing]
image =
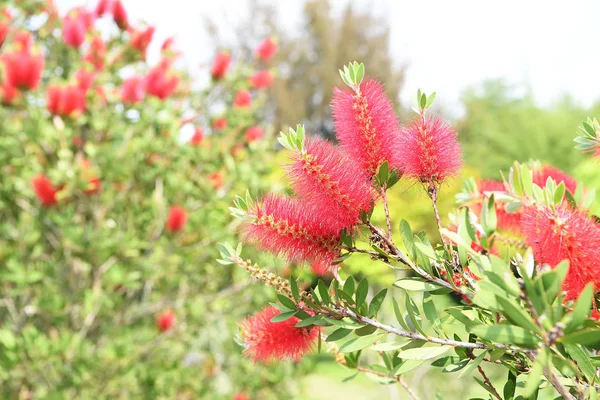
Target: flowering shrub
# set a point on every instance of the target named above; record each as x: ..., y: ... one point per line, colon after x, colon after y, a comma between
x: 520, y: 255
x: 115, y: 182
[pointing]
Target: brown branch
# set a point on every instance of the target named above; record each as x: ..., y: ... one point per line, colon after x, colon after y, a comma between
x: 386, y: 210
x: 395, y: 378
x: 488, y: 382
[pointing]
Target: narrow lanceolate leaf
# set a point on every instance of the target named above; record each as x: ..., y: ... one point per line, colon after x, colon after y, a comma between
x: 376, y: 302
x: 338, y: 334
x: 472, y: 365
x: 324, y: 292
x: 589, y: 337
x: 283, y: 316
x: 506, y: 334
x: 361, y: 292
x: 416, y: 285
x: 582, y: 309
x: 359, y: 343
x: 517, y: 315
x: 286, y: 302
x: 583, y: 361
x: 295, y: 291
x: 423, y: 353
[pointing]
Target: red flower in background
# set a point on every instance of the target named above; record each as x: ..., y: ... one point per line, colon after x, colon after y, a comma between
x: 505, y: 220
x: 197, y: 137
x: 45, y: 191
x: 165, y: 320
x: 140, y: 40
x: 96, y: 53
x: 216, y: 180
x: 23, y: 65
x: 220, y: 123
x: 220, y: 65
x: 320, y: 270
x: 243, y: 99
x: 565, y: 234
x: 266, y: 49
x: 541, y: 175
x: 133, y: 90
x: 120, y: 15
x: 5, y: 20
x: 241, y: 396
x: 291, y: 228
x: 67, y: 100
x: 429, y: 150
x: 323, y: 175
x: 75, y: 26
x: 103, y: 7
x: 261, y: 79
x: 8, y: 93
x: 366, y: 126
x: 85, y: 79
x: 160, y: 81
x: 268, y: 341
x: 88, y: 174
x: 177, y: 219
x: 254, y: 133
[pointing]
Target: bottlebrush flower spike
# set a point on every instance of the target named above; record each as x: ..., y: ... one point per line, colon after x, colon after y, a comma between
x: 161, y: 82
x: 293, y: 229
x: 243, y: 99
x: 429, y: 150
x: 261, y: 79
x: 197, y: 137
x: 505, y: 220
x: 96, y: 53
x: 220, y: 65
x: 254, y: 133
x: 87, y: 170
x: 8, y: 93
x: 140, y: 40
x: 216, y: 180
x: 220, y: 123
x: 103, y: 7
x: 561, y: 234
x: 165, y: 320
x: 365, y: 122
x: 543, y: 172
x: 268, y: 341
x: 133, y: 90
x: 120, y: 15
x: 85, y: 79
x: 23, y: 64
x: 322, y: 175
x: 75, y: 26
x: 45, y: 191
x: 241, y: 396
x: 177, y: 219
x: 66, y: 100
x: 266, y: 49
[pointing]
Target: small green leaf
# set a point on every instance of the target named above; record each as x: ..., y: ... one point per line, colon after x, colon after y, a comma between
x: 359, y: 343
x: 294, y: 288
x: 361, y: 292
x: 583, y: 361
x: 283, y: 316
x: 423, y: 353
x: 365, y: 330
x: 376, y: 302
x: 589, y: 337
x: 349, y: 285
x: 516, y: 314
x: 472, y: 365
x: 506, y: 334
x: 582, y: 308
x: 416, y: 285
x: 286, y: 302
x: 324, y: 292
x: 338, y: 334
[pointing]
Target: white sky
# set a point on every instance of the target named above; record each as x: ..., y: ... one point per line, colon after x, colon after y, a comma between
x: 548, y: 45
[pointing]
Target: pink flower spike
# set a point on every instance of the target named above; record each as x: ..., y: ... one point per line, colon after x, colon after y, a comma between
x: 429, y: 150
x: 323, y: 175
x: 366, y: 126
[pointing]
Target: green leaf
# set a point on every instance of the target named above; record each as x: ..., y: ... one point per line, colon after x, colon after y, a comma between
x: 506, y: 334
x: 426, y: 250
x: 365, y: 330
x: 583, y: 361
x: 349, y: 285
x: 423, y: 101
x: 324, y: 292
x: 510, y: 386
x: 517, y: 315
x: 399, y: 316
x: 294, y: 288
x: 589, y: 337
x: 283, y: 316
x: 472, y: 365
x: 286, y: 302
x: 376, y: 302
x: 361, y: 292
x: 423, y: 353
x: 407, y: 236
x: 338, y: 334
x: 534, y: 377
x: 314, y: 320
x: 359, y: 343
x: 430, y: 311
x: 383, y: 173
x: 413, y: 314
x: 416, y: 285
x: 582, y: 308
x: 351, y: 376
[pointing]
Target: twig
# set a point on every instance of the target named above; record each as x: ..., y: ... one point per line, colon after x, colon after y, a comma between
x: 432, y: 192
x: 395, y: 378
x: 488, y: 382
x: 386, y: 210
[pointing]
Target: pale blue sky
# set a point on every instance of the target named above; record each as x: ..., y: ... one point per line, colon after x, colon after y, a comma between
x: 551, y: 45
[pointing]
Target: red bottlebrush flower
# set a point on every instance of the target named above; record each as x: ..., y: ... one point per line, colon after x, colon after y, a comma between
x: 5, y: 20
x: 505, y: 221
x: 197, y: 137
x: 8, y: 93
x: 541, y: 175
x: 23, y: 65
x: 323, y: 175
x: 293, y: 229
x: 133, y: 90
x: 220, y: 123
x: 565, y: 234
x: 216, y: 180
x: 87, y: 170
x: 254, y: 133
x: 220, y: 65
x: 140, y: 40
x: 75, y: 26
x: 261, y: 79
x: 103, y: 7
x: 366, y: 126
x: 68, y: 100
x: 96, y: 53
x: 44, y: 190
x: 161, y: 82
x: 320, y: 270
x: 177, y: 219
x: 165, y: 320
x: 243, y: 99
x: 241, y: 396
x: 120, y: 15
x: 429, y: 150
x: 268, y: 341
x: 85, y: 79
x: 266, y: 49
